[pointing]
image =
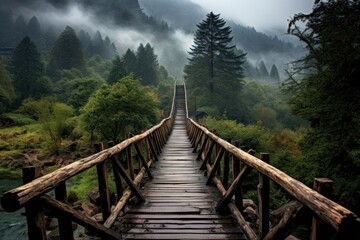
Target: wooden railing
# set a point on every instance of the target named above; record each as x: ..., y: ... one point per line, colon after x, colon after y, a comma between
x: 214, y: 151
x: 32, y: 195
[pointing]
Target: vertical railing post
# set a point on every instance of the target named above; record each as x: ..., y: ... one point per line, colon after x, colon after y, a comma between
x: 103, y: 185
x: 235, y: 172
x: 34, y: 212
x: 225, y: 181
x: 117, y: 177
x: 264, y: 200
x: 319, y: 230
x: 130, y: 160
x: 65, y: 224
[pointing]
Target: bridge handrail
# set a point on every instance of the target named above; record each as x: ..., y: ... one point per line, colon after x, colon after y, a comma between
x: 16, y: 198
x: 329, y: 211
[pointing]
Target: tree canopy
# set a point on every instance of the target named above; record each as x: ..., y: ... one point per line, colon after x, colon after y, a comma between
x: 27, y: 69
x: 125, y: 106
x: 213, y: 68
x: 325, y: 90
x: 66, y: 53
x: 7, y: 93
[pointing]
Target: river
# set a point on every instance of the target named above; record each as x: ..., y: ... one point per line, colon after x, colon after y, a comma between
x: 12, y: 225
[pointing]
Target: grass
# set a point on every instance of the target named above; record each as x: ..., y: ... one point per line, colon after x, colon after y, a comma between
x: 19, y: 139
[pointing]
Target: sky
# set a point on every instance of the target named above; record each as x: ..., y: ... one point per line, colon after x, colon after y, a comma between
x: 264, y: 15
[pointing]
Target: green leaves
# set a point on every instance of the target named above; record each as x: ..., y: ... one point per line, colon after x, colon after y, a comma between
x: 125, y: 106
x: 327, y: 93
x: 214, y: 72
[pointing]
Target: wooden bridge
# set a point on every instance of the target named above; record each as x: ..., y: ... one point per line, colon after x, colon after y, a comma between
x: 184, y: 188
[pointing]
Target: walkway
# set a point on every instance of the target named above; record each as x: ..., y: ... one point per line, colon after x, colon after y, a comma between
x: 178, y: 204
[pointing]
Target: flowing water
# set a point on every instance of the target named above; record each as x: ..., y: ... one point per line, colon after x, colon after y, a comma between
x: 12, y: 225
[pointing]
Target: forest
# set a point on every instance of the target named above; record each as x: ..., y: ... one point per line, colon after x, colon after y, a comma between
x: 62, y: 92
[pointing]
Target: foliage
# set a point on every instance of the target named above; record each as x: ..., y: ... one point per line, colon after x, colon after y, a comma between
x: 214, y: 70
x: 267, y: 105
x: 7, y: 94
x: 125, y: 106
x: 325, y: 90
x: 117, y: 71
x: 52, y: 116
x: 75, y: 88
x: 16, y: 140
x: 66, y: 53
x: 27, y: 70
x: 274, y: 73
x: 147, y: 64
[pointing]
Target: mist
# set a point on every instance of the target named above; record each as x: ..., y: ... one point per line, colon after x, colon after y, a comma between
x: 128, y: 23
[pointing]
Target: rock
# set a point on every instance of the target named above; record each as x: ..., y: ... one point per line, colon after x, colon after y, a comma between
x: 72, y: 197
x: 90, y: 209
x: 250, y: 214
x: 97, y: 218
x: 249, y: 203
x: 52, y: 223
x: 94, y: 196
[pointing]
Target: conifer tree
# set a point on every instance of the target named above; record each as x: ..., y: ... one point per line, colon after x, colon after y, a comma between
x: 27, y: 69
x: 274, y: 73
x: 66, y: 53
x: 129, y: 59
x: 117, y: 71
x: 147, y: 65
x: 214, y: 68
x: 263, y: 71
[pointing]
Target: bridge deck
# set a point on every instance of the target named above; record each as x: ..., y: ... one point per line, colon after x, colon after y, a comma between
x: 178, y: 204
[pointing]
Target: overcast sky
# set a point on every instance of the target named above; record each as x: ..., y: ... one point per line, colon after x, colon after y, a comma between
x: 264, y: 15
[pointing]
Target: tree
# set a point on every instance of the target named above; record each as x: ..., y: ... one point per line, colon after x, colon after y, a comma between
x: 52, y: 116
x: 7, y: 93
x: 27, y: 69
x: 147, y: 65
x: 274, y: 73
x: 262, y: 70
x: 325, y: 91
x: 125, y: 106
x: 214, y: 69
x: 130, y: 61
x: 117, y: 71
x: 66, y: 53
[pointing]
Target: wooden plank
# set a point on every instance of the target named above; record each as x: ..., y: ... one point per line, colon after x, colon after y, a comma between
x: 181, y: 236
x: 158, y: 210
x: 178, y: 221
x: 184, y: 231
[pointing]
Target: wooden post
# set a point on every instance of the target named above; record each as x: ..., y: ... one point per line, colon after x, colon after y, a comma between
x: 264, y: 200
x: 226, y: 168
x: 65, y: 224
x: 235, y: 172
x: 103, y: 185
x: 34, y: 212
x: 130, y: 160
x: 117, y: 177
x: 319, y: 230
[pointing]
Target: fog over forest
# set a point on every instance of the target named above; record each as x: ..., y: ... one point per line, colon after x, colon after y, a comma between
x: 167, y: 25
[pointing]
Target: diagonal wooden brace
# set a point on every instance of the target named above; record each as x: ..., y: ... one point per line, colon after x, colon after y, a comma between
x: 144, y: 163
x: 233, y: 187
x: 207, y: 156
x: 215, y: 166
x: 129, y: 182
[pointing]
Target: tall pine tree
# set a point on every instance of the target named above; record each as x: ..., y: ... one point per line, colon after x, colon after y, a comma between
x: 27, y: 69
x: 66, y: 53
x: 214, y: 70
x: 147, y: 65
x: 117, y: 71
